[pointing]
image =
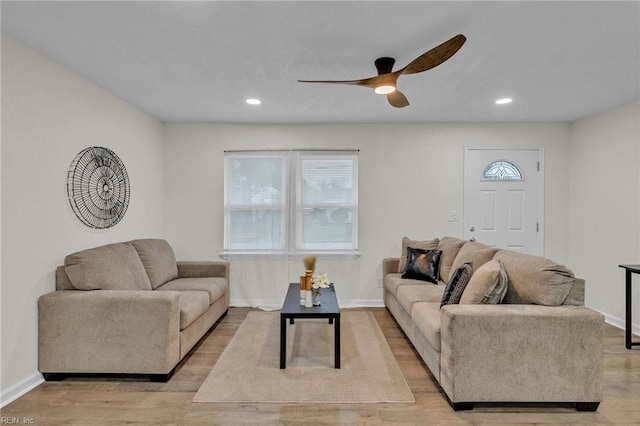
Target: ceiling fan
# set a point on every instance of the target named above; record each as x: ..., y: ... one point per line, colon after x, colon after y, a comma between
x: 385, y: 82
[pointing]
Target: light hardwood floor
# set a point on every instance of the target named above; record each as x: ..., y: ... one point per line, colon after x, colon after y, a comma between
x: 135, y: 401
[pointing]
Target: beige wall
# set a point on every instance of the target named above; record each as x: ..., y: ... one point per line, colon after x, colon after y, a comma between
x: 48, y: 116
x: 604, y: 213
x: 410, y: 175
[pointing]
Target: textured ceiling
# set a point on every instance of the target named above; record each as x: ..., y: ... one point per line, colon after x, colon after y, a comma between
x: 199, y: 61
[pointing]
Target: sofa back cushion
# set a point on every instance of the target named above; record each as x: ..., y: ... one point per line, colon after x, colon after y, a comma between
x: 158, y: 259
x: 450, y: 247
x: 423, y: 245
x: 111, y: 267
x: 475, y: 253
x: 534, y: 279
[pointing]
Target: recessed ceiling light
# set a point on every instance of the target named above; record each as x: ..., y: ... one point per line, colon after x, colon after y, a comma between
x: 504, y: 101
x: 252, y: 101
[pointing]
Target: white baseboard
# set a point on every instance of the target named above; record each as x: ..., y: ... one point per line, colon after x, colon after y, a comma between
x: 369, y: 303
x: 16, y: 391
x: 619, y: 322
x: 269, y: 305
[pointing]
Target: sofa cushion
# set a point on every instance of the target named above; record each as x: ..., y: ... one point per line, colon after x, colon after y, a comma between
x: 409, y: 294
x: 534, y: 279
x: 158, y: 259
x: 422, y: 264
x: 110, y: 267
x: 192, y: 305
x: 476, y: 253
x: 456, y: 285
x: 215, y: 287
x: 426, y: 317
x: 450, y: 247
x: 392, y: 282
x: 424, y: 245
x: 488, y: 285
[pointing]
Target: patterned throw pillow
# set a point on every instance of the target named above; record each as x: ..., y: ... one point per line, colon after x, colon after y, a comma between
x: 422, y: 265
x: 456, y: 285
x: 496, y: 293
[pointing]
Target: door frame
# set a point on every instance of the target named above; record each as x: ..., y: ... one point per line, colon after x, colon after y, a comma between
x: 541, y: 180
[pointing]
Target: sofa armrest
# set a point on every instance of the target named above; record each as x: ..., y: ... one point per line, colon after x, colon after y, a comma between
x: 390, y: 265
x: 200, y: 269
x: 521, y: 353
x: 108, y: 331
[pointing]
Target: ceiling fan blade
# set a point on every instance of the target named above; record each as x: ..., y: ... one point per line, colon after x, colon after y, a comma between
x: 368, y: 82
x: 435, y: 56
x: 397, y: 99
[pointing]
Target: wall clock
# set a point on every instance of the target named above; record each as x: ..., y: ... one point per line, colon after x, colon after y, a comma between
x: 98, y: 187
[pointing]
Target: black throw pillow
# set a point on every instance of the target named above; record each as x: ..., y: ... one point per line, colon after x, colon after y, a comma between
x: 422, y: 265
x: 456, y: 285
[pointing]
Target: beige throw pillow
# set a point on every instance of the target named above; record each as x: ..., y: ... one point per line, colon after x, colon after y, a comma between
x: 423, y: 245
x: 484, y: 280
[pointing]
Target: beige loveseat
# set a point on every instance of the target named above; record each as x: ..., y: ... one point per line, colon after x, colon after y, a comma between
x: 128, y: 308
x: 539, y: 345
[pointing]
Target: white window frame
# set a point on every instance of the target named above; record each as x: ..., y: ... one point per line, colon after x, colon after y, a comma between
x: 291, y: 218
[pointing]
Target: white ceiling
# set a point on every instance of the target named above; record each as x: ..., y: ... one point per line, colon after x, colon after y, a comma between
x: 199, y: 61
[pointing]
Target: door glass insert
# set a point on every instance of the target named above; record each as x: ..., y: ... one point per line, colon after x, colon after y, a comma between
x: 502, y: 170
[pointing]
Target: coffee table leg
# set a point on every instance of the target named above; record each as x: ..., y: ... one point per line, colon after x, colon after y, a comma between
x: 337, y: 341
x: 283, y: 342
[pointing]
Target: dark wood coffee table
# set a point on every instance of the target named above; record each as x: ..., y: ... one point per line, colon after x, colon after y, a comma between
x: 291, y: 310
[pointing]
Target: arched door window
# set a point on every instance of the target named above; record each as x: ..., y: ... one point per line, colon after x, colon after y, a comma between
x: 502, y: 170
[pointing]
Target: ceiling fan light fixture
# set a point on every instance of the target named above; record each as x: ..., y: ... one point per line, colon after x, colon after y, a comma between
x: 384, y: 89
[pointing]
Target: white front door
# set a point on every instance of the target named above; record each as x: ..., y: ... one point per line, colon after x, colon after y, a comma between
x: 503, y: 198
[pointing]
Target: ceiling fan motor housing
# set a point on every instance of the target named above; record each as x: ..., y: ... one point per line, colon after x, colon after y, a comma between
x: 384, y: 65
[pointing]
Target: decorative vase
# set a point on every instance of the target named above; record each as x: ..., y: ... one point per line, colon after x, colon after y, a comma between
x: 316, y: 297
x: 308, y: 299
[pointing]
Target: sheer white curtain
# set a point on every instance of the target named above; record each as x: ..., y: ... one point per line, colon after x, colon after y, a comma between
x: 281, y: 206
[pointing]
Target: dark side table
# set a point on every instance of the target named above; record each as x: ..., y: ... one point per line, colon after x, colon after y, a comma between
x: 629, y: 269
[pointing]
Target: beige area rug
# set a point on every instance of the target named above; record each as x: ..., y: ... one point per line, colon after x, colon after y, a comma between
x: 249, y: 371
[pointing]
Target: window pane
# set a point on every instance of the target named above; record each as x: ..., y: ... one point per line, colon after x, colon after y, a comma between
x: 327, y: 227
x: 327, y: 208
x: 327, y: 181
x: 255, y: 201
x: 255, y: 229
x: 502, y: 170
x: 255, y: 181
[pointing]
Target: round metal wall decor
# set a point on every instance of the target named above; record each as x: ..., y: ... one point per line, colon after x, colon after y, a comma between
x: 98, y: 187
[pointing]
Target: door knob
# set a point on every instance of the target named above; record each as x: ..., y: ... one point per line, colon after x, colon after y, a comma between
x: 472, y: 229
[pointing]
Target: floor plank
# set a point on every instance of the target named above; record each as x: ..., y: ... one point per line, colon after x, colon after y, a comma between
x: 117, y: 401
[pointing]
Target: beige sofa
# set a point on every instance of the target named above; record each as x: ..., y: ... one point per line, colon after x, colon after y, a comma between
x: 128, y: 308
x: 539, y: 345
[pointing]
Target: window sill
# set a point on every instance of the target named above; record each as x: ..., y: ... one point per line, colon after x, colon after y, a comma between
x: 354, y: 255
